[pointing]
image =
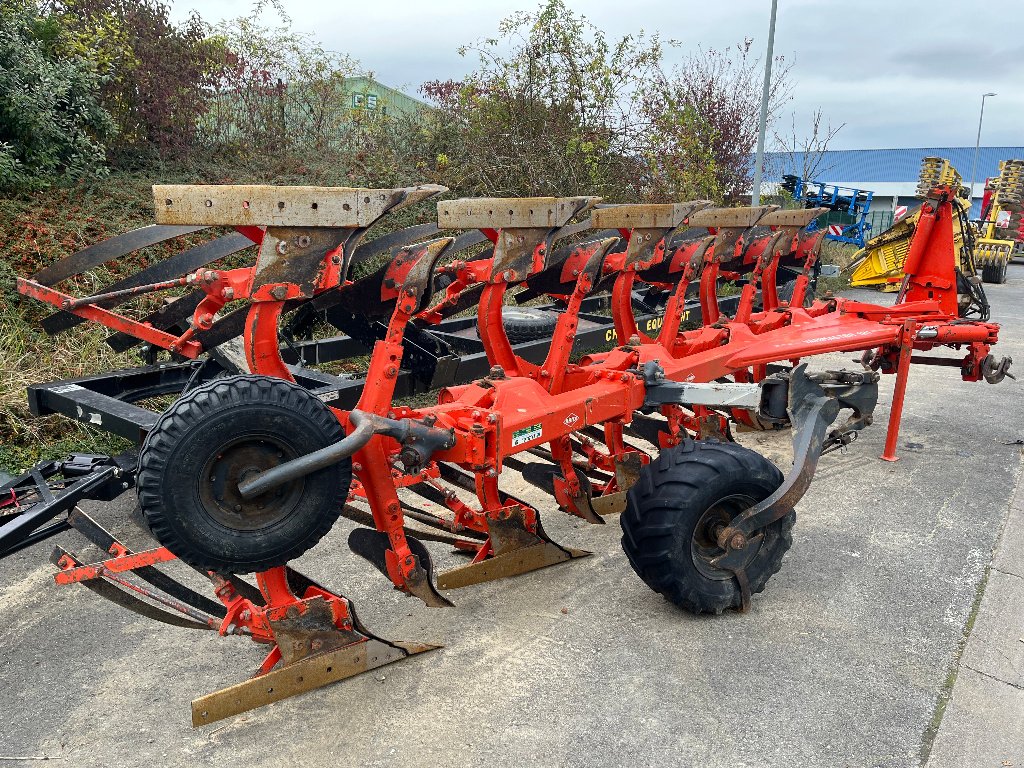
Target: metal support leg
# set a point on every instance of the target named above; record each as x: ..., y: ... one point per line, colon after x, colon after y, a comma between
x: 900, y: 391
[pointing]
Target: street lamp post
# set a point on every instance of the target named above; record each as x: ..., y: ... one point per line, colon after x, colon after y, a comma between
x: 755, y: 197
x: 977, y: 144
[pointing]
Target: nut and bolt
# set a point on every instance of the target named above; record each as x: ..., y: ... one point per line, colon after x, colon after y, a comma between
x: 279, y: 292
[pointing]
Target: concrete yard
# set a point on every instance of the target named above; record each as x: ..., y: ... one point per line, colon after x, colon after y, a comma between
x: 849, y: 657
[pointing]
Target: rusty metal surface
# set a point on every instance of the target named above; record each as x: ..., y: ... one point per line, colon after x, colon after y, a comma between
x: 514, y: 253
x: 627, y: 470
x: 114, y: 248
x: 300, y: 635
x: 259, y: 205
x: 657, y: 215
x: 306, y: 675
x: 610, y: 503
x: 730, y: 217
x: 295, y: 255
x: 795, y: 217
x: 419, y: 280
x: 642, y: 244
x: 516, y: 551
x: 523, y: 560
x: 511, y: 212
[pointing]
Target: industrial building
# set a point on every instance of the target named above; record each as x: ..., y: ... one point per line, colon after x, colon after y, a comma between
x: 891, y: 174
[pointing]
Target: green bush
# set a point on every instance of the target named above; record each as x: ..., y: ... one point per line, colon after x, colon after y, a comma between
x: 51, y: 120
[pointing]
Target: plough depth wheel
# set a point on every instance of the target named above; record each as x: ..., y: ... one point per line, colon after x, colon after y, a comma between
x: 676, y: 510
x: 215, y: 437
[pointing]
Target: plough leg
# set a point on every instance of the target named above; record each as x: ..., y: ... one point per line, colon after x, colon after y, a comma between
x: 899, y: 391
x: 403, y: 559
x: 516, y: 550
x: 318, y: 641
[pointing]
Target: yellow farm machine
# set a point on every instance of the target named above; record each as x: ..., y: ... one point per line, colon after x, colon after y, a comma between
x: 980, y: 247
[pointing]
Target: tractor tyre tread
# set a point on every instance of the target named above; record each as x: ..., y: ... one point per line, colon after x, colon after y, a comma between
x: 785, y: 293
x: 994, y: 274
x: 174, y: 516
x: 527, y: 324
x: 664, y: 506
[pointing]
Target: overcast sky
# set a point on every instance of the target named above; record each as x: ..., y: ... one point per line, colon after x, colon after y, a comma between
x: 898, y: 74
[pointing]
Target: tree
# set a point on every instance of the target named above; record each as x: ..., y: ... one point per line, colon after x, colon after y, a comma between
x: 277, y: 88
x: 555, y: 115
x: 807, y: 153
x: 557, y: 107
x: 156, y: 74
x: 51, y: 119
x: 723, y: 90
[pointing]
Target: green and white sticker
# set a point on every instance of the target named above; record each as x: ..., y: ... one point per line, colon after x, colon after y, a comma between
x: 526, y: 434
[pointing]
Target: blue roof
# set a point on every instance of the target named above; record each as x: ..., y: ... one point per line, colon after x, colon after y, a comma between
x: 887, y: 165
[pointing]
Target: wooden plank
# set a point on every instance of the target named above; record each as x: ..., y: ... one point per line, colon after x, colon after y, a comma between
x: 650, y: 215
x: 730, y: 217
x: 266, y: 205
x: 510, y: 212
x: 796, y: 217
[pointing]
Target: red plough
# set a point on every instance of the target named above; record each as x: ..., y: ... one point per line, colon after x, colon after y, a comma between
x: 245, y: 473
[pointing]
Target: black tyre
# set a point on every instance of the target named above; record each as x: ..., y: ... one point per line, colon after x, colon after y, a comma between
x: 785, y: 293
x: 213, y: 438
x: 669, y: 526
x: 526, y: 324
x: 994, y: 273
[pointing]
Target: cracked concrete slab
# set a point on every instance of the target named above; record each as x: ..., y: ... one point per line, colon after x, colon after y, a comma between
x: 996, y: 644
x: 1009, y: 557
x: 983, y: 725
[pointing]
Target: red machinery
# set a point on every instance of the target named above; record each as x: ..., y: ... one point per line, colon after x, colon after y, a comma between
x: 245, y: 473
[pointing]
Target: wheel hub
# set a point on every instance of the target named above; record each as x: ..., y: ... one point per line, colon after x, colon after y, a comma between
x: 234, y: 462
x: 704, y: 545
